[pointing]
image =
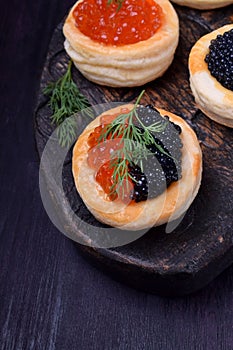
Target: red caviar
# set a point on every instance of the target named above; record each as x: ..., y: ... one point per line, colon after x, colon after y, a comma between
x: 135, y: 21
x: 100, y: 159
x: 105, y: 179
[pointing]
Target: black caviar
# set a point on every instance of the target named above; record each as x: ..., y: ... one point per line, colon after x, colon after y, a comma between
x: 220, y: 59
x: 163, y: 166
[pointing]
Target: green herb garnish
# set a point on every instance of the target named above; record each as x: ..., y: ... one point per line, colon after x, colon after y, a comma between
x: 133, y: 140
x: 117, y: 2
x: 66, y: 100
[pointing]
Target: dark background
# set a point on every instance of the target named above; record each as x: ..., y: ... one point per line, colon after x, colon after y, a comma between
x: 50, y: 297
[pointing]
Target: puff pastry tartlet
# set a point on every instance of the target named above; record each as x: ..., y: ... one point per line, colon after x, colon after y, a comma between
x: 204, y: 4
x: 117, y: 64
x: 135, y: 215
x: 214, y: 97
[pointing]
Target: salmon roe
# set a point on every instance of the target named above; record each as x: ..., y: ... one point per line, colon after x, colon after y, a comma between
x: 99, y: 159
x: 135, y: 21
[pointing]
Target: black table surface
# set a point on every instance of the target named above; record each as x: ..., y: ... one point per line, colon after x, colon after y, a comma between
x: 50, y: 297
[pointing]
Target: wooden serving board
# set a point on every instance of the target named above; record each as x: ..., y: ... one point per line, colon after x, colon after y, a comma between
x: 201, y: 247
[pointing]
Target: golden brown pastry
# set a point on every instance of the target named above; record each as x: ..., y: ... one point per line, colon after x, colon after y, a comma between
x: 203, y: 4
x: 124, y: 65
x: 215, y: 100
x: 168, y: 206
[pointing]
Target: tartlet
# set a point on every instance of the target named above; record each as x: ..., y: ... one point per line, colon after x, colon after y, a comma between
x: 215, y: 100
x: 126, y: 65
x: 203, y: 4
x: 168, y: 206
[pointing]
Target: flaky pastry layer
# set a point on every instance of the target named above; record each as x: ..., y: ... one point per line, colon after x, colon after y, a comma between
x: 211, y: 97
x: 128, y: 65
x: 203, y: 4
x: 135, y: 216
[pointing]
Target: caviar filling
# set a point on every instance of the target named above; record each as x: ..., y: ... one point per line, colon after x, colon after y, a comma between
x: 220, y: 59
x: 160, y: 169
x: 135, y: 21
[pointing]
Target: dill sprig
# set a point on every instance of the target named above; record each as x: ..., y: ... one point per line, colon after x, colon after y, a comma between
x: 117, y: 2
x: 133, y: 140
x: 65, y: 99
x: 67, y: 132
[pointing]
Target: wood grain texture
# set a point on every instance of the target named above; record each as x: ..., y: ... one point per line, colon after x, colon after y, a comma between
x: 50, y: 298
x: 202, y: 245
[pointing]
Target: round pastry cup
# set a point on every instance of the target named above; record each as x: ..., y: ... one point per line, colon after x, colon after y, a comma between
x: 128, y: 65
x: 203, y: 4
x: 211, y: 97
x: 167, y: 207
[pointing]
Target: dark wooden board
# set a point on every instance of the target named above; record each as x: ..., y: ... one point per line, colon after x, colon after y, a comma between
x: 201, y: 247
